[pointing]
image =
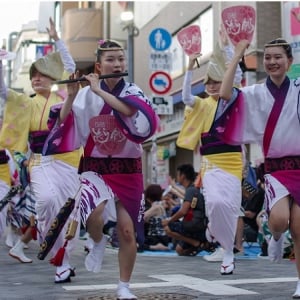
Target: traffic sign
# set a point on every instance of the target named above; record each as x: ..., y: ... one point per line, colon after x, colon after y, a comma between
x: 163, y: 105
x: 160, y: 82
x: 160, y: 61
x: 160, y: 39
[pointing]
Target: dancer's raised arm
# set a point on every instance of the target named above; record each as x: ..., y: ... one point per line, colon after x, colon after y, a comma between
x: 228, y: 80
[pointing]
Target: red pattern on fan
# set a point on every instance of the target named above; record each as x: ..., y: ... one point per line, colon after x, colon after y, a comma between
x: 189, y: 39
x: 239, y: 22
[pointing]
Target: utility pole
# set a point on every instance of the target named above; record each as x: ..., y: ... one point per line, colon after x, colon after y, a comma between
x: 11, y: 36
x: 130, y: 44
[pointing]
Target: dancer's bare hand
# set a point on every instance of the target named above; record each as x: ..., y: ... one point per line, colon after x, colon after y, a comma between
x: 241, y: 47
x: 93, y: 79
x: 52, y: 30
x: 73, y: 87
x: 193, y: 59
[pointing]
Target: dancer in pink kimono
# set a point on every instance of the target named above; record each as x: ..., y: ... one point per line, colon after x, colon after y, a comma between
x: 112, y: 118
x: 268, y: 114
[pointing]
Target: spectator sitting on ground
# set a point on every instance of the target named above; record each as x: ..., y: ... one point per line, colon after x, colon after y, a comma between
x: 252, y: 204
x: 190, y: 232
x: 174, y: 195
x: 155, y: 235
x: 171, y: 201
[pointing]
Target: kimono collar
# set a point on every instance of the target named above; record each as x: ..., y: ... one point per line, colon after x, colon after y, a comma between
x: 279, y: 95
x: 116, y: 91
x: 278, y: 92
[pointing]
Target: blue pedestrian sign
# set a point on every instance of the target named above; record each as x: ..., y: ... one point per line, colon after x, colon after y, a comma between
x: 160, y: 39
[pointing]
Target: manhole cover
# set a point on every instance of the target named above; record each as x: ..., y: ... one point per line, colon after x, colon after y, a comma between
x: 145, y: 297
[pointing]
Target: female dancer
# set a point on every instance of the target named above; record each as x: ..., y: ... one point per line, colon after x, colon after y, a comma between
x: 112, y: 118
x: 268, y: 114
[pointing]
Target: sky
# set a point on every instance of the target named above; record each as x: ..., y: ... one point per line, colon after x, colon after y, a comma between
x: 15, y: 13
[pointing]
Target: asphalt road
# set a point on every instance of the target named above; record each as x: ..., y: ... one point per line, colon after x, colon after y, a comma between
x: 155, y: 277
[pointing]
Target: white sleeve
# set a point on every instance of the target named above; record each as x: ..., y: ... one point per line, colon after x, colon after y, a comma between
x: 187, y: 97
x: 229, y: 53
x: 67, y: 59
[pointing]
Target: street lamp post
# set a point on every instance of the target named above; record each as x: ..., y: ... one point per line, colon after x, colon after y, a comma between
x: 127, y: 19
x: 130, y: 49
x: 12, y: 35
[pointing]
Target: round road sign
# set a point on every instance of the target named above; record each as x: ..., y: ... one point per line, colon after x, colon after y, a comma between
x: 160, y: 39
x: 160, y: 82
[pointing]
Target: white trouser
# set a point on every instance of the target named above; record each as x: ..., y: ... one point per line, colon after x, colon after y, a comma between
x: 53, y: 182
x: 4, y: 188
x: 223, y: 196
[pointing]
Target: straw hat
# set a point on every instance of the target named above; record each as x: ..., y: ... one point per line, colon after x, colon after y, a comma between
x: 50, y: 65
x: 216, y: 66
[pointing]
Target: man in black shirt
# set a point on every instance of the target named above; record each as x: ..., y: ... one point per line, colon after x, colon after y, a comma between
x: 252, y: 204
x: 188, y: 224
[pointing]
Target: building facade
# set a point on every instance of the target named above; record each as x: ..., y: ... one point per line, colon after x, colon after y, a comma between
x: 173, y: 16
x: 83, y: 23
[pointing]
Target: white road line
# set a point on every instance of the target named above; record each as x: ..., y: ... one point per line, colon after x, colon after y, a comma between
x: 213, y: 287
x: 202, y: 285
x: 258, y: 280
x: 114, y: 286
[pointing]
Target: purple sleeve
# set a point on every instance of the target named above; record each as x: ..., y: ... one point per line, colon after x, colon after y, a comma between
x: 229, y: 126
x: 62, y: 138
x: 142, y: 125
x: 3, y: 89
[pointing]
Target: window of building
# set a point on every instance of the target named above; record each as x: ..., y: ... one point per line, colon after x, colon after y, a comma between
x: 179, y: 58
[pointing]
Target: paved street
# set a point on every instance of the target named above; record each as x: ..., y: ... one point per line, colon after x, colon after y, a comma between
x: 155, y: 277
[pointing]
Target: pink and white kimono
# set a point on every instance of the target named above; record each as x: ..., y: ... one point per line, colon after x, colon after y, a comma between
x: 268, y: 116
x: 111, y: 167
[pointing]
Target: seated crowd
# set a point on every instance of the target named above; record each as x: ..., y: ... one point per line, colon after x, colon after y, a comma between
x: 175, y: 218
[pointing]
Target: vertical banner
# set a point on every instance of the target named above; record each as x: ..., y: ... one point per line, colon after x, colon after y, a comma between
x: 291, y: 33
x: 154, y: 160
x: 48, y: 49
x: 43, y: 50
x: 163, y: 165
x: 39, y: 52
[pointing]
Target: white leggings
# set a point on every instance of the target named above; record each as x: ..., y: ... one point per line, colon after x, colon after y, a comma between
x: 223, y: 196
